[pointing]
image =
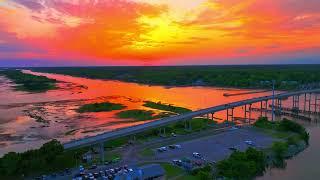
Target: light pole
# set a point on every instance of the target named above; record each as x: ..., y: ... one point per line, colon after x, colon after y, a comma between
x: 273, y: 114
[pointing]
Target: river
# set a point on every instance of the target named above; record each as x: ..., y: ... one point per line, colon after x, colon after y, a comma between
x: 20, y: 131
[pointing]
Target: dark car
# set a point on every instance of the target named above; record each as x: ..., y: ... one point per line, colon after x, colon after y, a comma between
x: 107, y: 162
x: 96, y: 175
x: 233, y: 148
x: 93, y: 167
x: 67, y: 171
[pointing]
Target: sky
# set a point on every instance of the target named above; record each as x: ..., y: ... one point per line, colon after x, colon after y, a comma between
x: 158, y: 32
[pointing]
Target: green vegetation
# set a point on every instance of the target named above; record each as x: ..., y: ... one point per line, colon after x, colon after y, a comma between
x: 242, y: 165
x: 203, y: 173
x: 29, y: 82
x: 49, y: 158
x: 171, y: 170
x: 100, y: 107
x: 141, y: 115
x: 136, y: 114
x: 285, y: 126
x: 280, y: 149
x: 178, y: 128
x: 252, y: 162
x: 255, y: 76
x: 112, y: 156
x: 147, y: 152
x: 166, y: 107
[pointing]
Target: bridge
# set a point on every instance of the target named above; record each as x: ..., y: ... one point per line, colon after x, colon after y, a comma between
x: 101, y: 138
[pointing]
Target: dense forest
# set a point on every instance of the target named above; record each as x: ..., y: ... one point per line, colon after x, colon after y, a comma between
x: 255, y: 76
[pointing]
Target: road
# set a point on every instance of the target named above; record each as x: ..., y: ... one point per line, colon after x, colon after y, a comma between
x: 166, y: 121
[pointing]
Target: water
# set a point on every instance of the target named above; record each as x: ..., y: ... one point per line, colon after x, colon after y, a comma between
x: 19, y: 129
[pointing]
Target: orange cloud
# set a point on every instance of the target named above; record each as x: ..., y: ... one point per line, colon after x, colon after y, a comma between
x: 160, y: 30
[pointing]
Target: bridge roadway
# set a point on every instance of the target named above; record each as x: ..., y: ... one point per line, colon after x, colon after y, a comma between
x: 88, y: 141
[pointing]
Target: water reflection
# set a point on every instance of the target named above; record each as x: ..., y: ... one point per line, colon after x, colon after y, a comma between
x: 36, y: 118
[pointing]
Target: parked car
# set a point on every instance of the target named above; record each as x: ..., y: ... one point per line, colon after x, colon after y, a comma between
x: 233, y: 148
x: 196, y: 155
x: 177, y: 162
x: 233, y: 128
x: 250, y: 143
x: 162, y: 149
x: 81, y: 168
x: 93, y: 166
x: 107, y: 162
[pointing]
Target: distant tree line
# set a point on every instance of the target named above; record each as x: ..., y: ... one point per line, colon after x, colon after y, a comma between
x: 286, y: 76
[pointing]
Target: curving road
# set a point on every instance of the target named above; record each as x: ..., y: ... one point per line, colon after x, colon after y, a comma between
x: 165, y: 121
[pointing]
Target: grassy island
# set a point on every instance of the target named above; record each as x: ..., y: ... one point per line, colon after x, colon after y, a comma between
x: 100, y: 107
x: 29, y: 82
x: 141, y: 115
x: 166, y: 107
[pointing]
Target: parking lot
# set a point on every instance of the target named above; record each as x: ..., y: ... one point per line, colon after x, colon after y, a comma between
x: 217, y: 147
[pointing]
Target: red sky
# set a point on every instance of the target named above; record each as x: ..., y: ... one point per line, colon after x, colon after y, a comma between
x: 159, y: 32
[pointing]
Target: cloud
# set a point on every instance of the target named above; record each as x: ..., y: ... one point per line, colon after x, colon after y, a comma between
x: 33, y: 5
x: 148, y: 31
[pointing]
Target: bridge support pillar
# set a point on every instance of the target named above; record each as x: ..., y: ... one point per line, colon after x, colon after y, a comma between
x: 187, y: 125
x: 295, y: 102
x: 309, y: 102
x: 230, y: 115
x: 250, y: 105
x: 266, y: 108
x: 305, y: 103
x: 210, y: 119
x: 316, y: 104
x: 247, y: 111
x: 162, y: 133
x: 101, y: 145
x: 261, y: 106
x: 278, y: 107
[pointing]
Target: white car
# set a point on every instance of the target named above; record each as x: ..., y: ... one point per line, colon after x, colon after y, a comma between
x: 196, y: 155
x: 233, y: 128
x: 249, y: 142
x: 162, y: 149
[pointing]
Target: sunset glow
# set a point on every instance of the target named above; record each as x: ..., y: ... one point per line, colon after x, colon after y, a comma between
x: 159, y: 32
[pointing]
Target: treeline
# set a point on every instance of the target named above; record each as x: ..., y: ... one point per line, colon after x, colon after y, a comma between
x: 286, y: 76
x: 253, y: 162
x: 29, y: 82
x: 51, y: 157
